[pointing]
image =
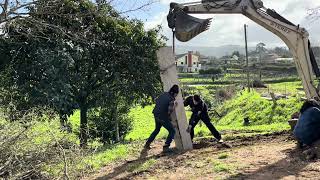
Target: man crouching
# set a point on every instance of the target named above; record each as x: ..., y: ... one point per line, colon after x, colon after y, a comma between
x: 307, y: 130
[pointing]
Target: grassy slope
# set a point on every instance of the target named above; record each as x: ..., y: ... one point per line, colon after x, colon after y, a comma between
x: 247, y: 104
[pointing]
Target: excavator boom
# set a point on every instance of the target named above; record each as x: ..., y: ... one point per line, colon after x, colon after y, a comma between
x: 296, y: 38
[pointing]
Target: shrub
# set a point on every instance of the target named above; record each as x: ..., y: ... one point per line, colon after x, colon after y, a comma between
x: 211, y: 71
x: 258, y: 84
x: 27, y: 149
x: 225, y: 93
x: 103, y: 125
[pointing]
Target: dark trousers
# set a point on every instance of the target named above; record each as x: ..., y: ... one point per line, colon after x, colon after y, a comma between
x: 165, y: 122
x: 195, y: 118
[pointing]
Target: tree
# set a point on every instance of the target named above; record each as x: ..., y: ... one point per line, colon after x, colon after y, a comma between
x: 283, y: 52
x: 237, y: 53
x: 80, y: 54
x: 14, y: 9
x: 17, y: 9
x: 314, y: 13
x: 260, y: 49
x: 212, y: 71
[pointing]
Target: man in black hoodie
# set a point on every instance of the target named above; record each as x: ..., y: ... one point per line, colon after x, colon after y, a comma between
x: 165, y: 105
x: 199, y: 112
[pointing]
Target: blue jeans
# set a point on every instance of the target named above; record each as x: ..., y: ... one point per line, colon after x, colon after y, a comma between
x: 165, y: 122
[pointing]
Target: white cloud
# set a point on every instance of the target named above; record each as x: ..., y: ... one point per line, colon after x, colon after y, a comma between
x: 228, y: 29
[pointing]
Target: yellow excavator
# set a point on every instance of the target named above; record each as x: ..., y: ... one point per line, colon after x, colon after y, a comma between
x: 295, y: 37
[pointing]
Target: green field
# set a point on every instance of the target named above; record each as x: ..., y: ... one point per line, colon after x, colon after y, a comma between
x: 264, y: 118
x: 232, y: 79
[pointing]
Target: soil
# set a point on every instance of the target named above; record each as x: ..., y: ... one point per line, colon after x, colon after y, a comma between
x: 272, y: 156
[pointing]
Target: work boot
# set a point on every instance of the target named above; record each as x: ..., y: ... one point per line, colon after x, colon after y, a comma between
x: 299, y: 145
x: 220, y: 141
x: 166, y: 148
x: 147, y: 146
x: 309, y: 154
x: 224, y: 144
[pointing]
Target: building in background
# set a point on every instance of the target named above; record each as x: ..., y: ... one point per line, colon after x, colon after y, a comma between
x: 188, y: 62
x: 269, y: 58
x: 285, y: 60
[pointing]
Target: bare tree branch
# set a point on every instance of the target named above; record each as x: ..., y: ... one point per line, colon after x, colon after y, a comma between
x: 141, y: 7
x: 314, y: 14
x: 12, y: 8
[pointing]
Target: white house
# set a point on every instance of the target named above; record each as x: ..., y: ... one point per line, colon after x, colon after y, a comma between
x: 188, y: 62
x: 284, y: 60
x: 269, y: 58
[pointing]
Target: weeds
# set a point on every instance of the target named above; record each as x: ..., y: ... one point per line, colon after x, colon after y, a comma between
x: 223, y: 156
x: 142, y: 166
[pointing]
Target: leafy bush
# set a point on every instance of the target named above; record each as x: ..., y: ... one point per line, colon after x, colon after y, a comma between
x: 28, y: 148
x: 211, y: 71
x: 258, y: 84
x: 226, y: 93
x: 103, y: 125
x: 38, y: 149
x: 187, y: 75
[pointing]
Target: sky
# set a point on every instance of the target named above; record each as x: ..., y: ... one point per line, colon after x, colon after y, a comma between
x: 228, y: 29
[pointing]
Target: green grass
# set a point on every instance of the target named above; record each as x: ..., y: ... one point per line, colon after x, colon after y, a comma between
x: 250, y: 105
x: 259, y: 110
x: 289, y: 88
x: 143, y: 124
x: 91, y: 162
x: 219, y: 166
x: 196, y: 80
x: 231, y: 79
x: 223, y: 156
x: 142, y: 166
x: 45, y: 138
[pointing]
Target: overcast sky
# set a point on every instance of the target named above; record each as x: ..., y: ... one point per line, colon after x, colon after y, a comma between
x: 228, y: 29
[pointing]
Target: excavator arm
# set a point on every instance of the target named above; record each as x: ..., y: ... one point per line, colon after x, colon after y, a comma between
x: 295, y: 37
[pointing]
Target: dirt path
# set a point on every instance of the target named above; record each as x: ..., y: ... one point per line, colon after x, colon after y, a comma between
x: 259, y: 157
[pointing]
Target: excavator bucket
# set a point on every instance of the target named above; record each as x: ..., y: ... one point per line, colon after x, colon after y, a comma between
x: 186, y: 26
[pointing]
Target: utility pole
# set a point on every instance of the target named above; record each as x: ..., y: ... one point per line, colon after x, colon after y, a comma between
x: 247, y: 60
x: 173, y: 41
x: 260, y: 65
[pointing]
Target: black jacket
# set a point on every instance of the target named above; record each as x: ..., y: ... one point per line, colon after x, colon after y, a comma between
x: 164, y: 106
x: 201, y: 106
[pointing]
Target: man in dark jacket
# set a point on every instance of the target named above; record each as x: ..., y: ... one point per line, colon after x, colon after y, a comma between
x: 307, y: 129
x: 199, y: 112
x: 165, y: 105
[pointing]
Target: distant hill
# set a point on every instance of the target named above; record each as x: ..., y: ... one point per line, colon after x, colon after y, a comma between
x: 213, y: 51
x: 224, y: 50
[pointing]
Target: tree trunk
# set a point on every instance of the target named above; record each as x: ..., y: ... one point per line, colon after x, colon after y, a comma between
x: 83, y: 125
x: 64, y: 125
x: 260, y: 66
x: 63, y: 121
x: 115, y: 118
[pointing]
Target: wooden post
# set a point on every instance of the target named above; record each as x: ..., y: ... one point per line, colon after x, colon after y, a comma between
x: 247, y: 60
x: 169, y: 77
